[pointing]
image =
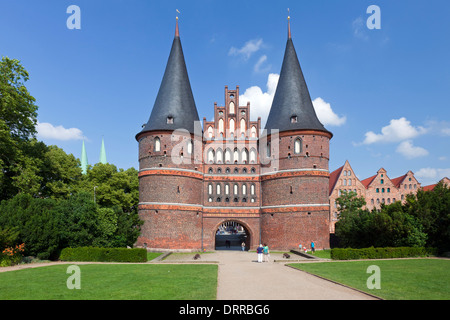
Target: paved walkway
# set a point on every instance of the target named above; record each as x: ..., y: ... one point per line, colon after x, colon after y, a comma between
x: 241, y: 277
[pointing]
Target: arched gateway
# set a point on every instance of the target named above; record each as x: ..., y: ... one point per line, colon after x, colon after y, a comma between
x: 230, y: 235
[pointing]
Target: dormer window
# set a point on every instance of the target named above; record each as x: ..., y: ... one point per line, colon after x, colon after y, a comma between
x: 294, y: 119
x: 169, y: 120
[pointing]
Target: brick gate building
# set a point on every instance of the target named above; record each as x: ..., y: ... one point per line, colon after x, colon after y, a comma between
x: 195, y: 182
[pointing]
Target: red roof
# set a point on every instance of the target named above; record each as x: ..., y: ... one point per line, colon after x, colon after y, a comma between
x: 397, y: 181
x: 368, y: 181
x: 333, y: 178
x: 429, y: 188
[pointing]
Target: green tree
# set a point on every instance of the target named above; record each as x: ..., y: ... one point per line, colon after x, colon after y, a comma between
x: 60, y: 172
x: 432, y: 210
x: 34, y: 221
x: 352, y: 228
x: 78, y: 223
x: 18, y: 114
x: 113, y: 187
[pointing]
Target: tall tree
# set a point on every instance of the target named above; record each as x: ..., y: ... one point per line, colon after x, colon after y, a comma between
x: 18, y: 113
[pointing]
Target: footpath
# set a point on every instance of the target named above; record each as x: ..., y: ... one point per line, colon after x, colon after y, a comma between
x: 241, y: 277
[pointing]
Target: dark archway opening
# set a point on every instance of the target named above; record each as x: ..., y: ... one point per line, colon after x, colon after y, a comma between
x: 230, y: 235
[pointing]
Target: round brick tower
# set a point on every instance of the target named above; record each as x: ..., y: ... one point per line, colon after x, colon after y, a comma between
x: 170, y: 173
x: 294, y: 180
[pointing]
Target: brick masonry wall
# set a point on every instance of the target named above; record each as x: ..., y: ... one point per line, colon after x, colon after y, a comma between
x: 305, y: 190
x: 283, y: 231
x: 170, y: 189
x: 170, y: 229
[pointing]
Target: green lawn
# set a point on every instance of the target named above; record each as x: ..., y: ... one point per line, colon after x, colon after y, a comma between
x: 113, y: 281
x: 406, y: 279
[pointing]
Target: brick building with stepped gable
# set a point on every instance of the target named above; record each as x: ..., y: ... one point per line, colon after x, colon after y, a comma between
x: 197, y: 184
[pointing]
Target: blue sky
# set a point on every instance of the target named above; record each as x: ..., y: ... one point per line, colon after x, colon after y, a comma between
x: 384, y: 93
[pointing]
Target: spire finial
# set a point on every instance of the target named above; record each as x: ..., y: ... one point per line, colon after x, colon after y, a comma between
x: 177, y: 32
x: 289, y: 25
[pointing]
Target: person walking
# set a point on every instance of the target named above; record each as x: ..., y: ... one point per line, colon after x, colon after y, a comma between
x: 259, y: 251
x: 312, y: 247
x: 243, y: 246
x: 266, y: 253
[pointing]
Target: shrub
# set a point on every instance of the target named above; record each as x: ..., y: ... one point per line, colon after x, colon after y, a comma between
x: 104, y: 254
x: 381, y: 253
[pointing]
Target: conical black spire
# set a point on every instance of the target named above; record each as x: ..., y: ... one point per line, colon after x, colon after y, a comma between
x: 174, y: 107
x: 292, y: 108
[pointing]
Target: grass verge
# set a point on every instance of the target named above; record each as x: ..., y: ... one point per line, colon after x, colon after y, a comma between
x: 112, y: 281
x: 403, y: 279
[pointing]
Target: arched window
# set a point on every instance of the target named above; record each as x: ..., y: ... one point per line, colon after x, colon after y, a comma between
x: 253, y: 132
x: 244, y: 155
x: 298, y: 146
x: 252, y: 156
x: 269, y: 152
x: 236, y: 155
x: 227, y: 189
x: 252, y: 189
x: 231, y: 107
x: 218, y: 189
x: 232, y: 126
x: 236, y: 189
x: 244, y: 189
x: 210, y: 132
x: 210, y: 188
x: 189, y: 147
x: 221, y: 125
x: 243, y: 126
x: 227, y: 155
x: 211, y: 156
x: 219, y: 156
x: 157, y: 144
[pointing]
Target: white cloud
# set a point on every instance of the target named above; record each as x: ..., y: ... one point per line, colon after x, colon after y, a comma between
x: 262, y: 101
x: 432, y: 175
x: 410, y: 151
x: 397, y: 130
x: 445, y: 131
x: 46, y: 130
x: 359, y: 29
x: 247, y: 50
x: 258, y: 66
x: 326, y: 114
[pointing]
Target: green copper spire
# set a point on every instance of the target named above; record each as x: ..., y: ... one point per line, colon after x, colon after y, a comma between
x: 103, y: 153
x: 84, y: 159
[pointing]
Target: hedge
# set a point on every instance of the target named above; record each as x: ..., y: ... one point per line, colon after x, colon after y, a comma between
x: 381, y: 253
x: 104, y: 254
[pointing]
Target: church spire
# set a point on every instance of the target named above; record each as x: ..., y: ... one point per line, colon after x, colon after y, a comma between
x: 84, y: 159
x: 103, y: 153
x: 174, y: 107
x: 292, y: 108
